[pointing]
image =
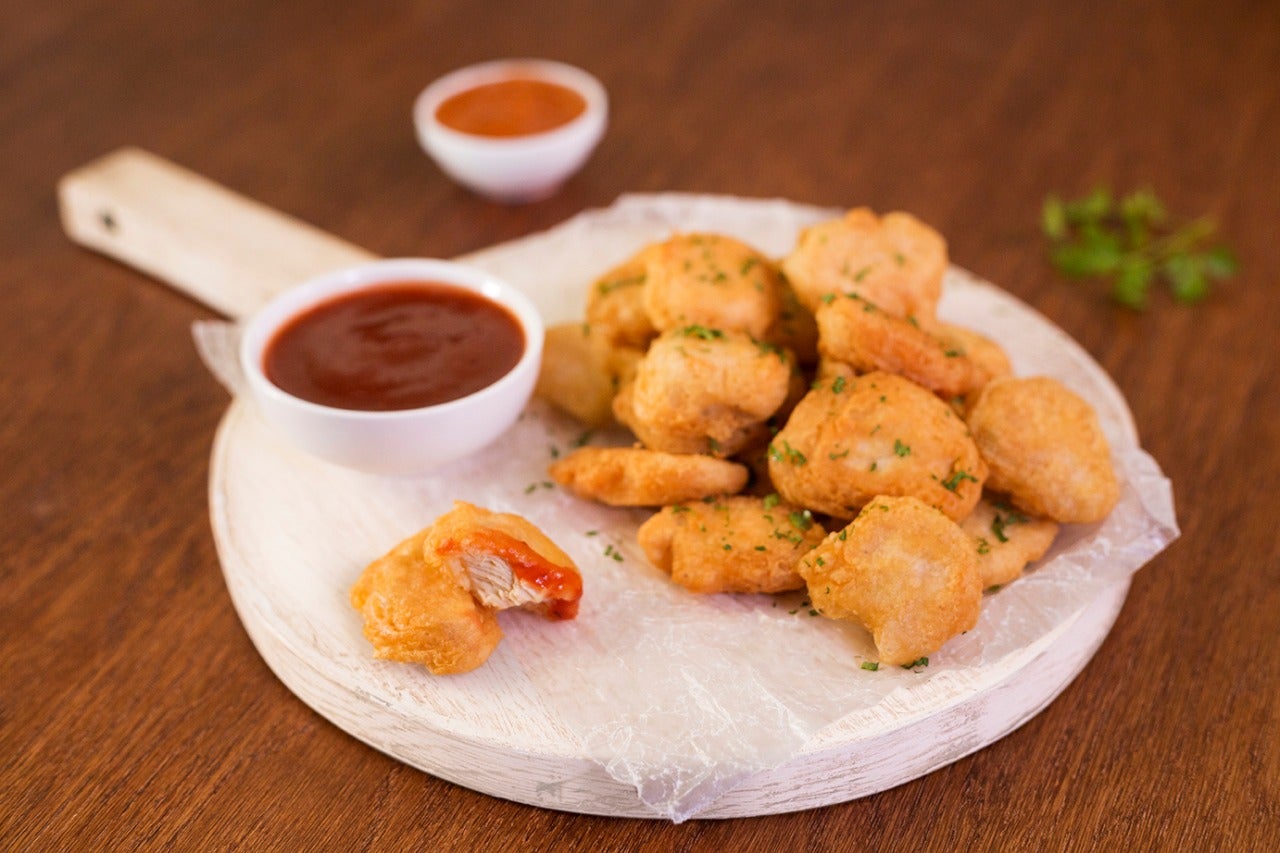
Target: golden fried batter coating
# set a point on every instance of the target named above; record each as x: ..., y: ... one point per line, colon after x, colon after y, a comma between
x: 1006, y: 540
x: 988, y: 355
x: 615, y: 306
x: 1045, y: 449
x: 738, y: 544
x: 895, y: 261
x: 857, y: 332
x: 505, y: 561
x: 795, y: 329
x: 904, y: 571
x: 416, y: 610
x: 710, y: 280
x: 851, y: 439
x: 581, y: 371
x: 637, y: 476
x: 701, y: 390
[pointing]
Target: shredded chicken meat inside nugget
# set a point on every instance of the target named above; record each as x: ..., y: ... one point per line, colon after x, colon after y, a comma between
x: 506, y: 561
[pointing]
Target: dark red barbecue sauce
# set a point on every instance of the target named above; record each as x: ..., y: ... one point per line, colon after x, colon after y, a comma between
x: 401, y: 345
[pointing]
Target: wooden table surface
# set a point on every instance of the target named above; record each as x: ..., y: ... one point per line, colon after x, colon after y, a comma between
x: 134, y: 712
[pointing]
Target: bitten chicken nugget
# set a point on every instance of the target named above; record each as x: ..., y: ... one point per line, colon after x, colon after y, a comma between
x: 857, y: 332
x: 1006, y: 540
x: 904, y: 571
x: 416, y: 610
x: 852, y: 439
x: 505, y: 561
x: 895, y: 261
x: 701, y: 390
x: 710, y: 280
x: 581, y: 372
x: 1045, y: 449
x: 637, y: 476
x: 738, y: 544
x: 615, y: 306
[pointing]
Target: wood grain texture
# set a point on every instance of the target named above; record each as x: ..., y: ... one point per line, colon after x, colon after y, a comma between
x: 134, y: 710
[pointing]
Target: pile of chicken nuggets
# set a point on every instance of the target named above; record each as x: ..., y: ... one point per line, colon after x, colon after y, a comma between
x: 810, y: 423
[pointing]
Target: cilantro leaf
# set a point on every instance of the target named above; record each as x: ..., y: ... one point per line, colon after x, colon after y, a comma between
x: 1133, y: 243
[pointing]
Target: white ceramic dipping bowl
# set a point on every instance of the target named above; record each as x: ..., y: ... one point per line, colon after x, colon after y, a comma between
x: 512, y: 169
x: 406, y: 441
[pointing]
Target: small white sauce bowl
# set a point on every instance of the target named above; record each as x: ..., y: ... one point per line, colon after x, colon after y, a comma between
x: 514, y: 169
x: 406, y: 441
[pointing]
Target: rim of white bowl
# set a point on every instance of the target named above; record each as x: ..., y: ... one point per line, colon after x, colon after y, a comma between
x: 268, y: 320
x: 583, y: 82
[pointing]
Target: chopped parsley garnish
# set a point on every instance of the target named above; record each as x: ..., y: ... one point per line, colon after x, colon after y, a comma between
x: 918, y: 662
x: 952, y: 483
x: 837, y: 385
x: 787, y: 454
x: 701, y: 332
x: 901, y: 449
x: 802, y: 520
x: 870, y: 665
x: 1000, y: 522
x: 604, y: 288
x: 610, y: 551
x: 770, y: 501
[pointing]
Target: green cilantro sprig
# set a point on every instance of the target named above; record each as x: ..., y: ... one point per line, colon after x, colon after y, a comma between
x: 1133, y: 242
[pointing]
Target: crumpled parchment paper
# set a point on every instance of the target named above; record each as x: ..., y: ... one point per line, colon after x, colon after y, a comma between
x: 683, y: 696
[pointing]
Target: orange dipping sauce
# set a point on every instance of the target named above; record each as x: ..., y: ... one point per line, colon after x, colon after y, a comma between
x: 514, y: 107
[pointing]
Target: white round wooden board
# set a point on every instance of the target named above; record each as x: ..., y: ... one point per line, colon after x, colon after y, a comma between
x: 654, y: 702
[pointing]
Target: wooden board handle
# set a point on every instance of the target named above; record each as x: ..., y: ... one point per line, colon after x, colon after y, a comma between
x: 221, y: 248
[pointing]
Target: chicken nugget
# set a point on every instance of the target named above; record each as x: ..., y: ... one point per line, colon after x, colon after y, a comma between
x: 851, y: 439
x: 1006, y: 540
x: 895, y: 261
x: 795, y: 329
x: 637, y: 476
x: 505, y: 561
x: 857, y: 332
x: 1045, y: 449
x: 738, y: 544
x: 904, y: 571
x: 581, y: 372
x: 615, y: 306
x: 702, y: 390
x: 416, y: 610
x: 710, y: 280
x: 988, y: 355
